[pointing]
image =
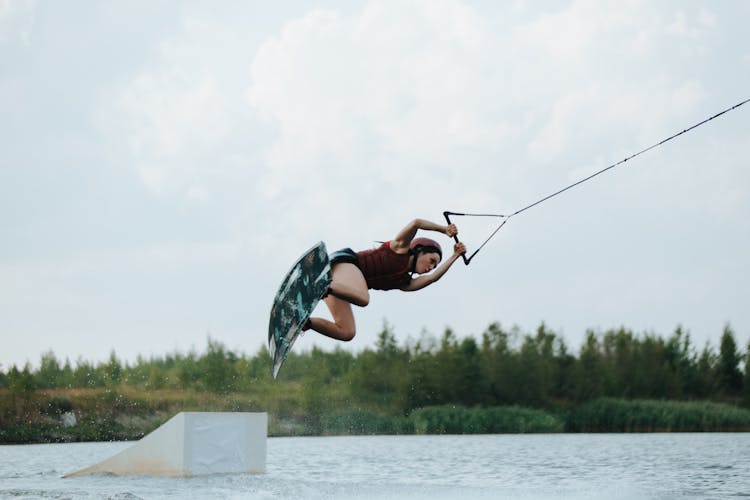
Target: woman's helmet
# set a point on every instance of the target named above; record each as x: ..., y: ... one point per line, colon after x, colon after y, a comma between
x: 425, y: 245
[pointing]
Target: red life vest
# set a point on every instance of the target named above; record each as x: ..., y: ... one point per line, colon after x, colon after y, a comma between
x: 383, y: 268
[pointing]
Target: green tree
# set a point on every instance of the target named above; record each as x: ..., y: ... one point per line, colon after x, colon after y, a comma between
x: 188, y: 371
x: 450, y: 374
x: 470, y: 384
x: 565, y: 382
x: 21, y: 386
x: 251, y: 371
x: 729, y: 376
x: 706, y: 383
x: 218, y: 373
x: 539, y: 365
x: 378, y: 376
x: 50, y: 373
x: 112, y: 371
x: 316, y: 389
x: 590, y: 379
x: 621, y: 352
x: 86, y: 375
x: 683, y: 361
x: 421, y: 386
x: 499, y: 365
x: 156, y: 377
x: 67, y: 377
x: 657, y: 376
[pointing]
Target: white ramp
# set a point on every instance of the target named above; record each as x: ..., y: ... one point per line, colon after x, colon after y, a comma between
x: 194, y: 443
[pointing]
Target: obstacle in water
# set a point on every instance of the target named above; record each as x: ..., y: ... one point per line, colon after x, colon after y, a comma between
x: 194, y: 443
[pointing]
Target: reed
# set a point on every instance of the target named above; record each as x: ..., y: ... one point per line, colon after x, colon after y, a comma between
x: 454, y: 419
x: 363, y: 422
x: 619, y: 415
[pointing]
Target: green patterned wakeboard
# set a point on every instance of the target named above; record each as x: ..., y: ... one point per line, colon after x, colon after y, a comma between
x: 298, y: 295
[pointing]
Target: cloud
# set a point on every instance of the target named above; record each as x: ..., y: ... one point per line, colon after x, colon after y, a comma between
x: 403, y: 109
x: 435, y: 99
x: 428, y: 102
x: 254, y: 131
x: 395, y: 102
x: 176, y: 120
x: 583, y: 31
x: 16, y: 21
x: 401, y: 77
x: 695, y: 27
x: 98, y: 301
x: 171, y: 118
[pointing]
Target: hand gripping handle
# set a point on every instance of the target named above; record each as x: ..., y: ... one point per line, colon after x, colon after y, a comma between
x: 447, y: 216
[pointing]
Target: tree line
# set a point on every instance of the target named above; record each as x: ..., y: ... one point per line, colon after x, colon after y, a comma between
x: 503, y: 367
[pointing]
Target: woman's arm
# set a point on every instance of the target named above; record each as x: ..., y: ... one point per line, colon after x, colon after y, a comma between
x: 428, y: 279
x: 400, y: 244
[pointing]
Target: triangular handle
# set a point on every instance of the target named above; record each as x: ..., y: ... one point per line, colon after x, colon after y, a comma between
x: 447, y: 214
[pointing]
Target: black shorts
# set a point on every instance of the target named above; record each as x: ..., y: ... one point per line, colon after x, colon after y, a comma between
x: 344, y: 255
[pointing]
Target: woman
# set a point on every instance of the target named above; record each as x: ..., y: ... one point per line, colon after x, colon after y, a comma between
x: 387, y: 267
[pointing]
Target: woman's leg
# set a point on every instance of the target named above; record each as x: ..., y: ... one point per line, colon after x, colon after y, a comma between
x: 348, y: 286
x: 348, y: 283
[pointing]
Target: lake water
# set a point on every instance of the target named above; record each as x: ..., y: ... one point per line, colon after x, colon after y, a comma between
x: 558, y: 466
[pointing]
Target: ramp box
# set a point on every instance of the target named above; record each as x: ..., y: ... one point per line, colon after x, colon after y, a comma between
x: 194, y: 443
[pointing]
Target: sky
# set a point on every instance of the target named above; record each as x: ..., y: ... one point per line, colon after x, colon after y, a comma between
x: 163, y: 163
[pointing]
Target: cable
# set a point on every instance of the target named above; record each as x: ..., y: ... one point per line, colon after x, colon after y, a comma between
x: 560, y: 191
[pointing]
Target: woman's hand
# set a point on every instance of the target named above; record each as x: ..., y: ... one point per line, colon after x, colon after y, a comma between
x: 427, y: 279
x: 451, y: 230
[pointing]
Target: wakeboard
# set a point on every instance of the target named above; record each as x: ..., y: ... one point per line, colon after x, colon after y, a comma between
x: 299, y: 293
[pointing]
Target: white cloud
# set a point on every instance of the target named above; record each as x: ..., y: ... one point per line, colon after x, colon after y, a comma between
x: 390, y: 107
x: 171, y: 119
x: 427, y: 102
x: 89, y: 304
x: 416, y: 92
x: 16, y: 21
x: 343, y: 124
x: 177, y: 120
x: 695, y: 27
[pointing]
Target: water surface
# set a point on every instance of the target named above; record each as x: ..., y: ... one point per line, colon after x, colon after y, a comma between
x: 558, y: 466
